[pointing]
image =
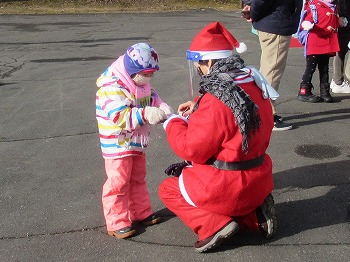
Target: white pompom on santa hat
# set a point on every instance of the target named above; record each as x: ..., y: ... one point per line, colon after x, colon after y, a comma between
x: 214, y: 42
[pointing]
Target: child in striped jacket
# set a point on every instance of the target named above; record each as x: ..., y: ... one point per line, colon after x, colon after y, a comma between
x: 126, y: 106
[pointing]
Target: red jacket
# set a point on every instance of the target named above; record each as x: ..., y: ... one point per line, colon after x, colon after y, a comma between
x: 212, y: 131
x: 323, y: 37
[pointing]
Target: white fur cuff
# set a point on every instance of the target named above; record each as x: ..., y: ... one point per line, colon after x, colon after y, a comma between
x: 172, y: 117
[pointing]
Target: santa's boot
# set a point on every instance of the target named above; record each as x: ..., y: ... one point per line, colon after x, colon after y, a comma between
x: 324, y: 93
x: 305, y: 94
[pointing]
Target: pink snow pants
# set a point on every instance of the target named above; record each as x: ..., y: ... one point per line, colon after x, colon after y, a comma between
x: 125, y: 196
x: 201, y: 221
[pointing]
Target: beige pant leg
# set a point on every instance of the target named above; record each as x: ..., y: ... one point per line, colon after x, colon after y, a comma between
x: 273, y: 60
x: 274, y: 53
x: 347, y: 67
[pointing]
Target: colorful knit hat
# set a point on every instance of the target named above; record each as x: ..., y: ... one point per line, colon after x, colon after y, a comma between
x: 214, y: 42
x: 140, y: 57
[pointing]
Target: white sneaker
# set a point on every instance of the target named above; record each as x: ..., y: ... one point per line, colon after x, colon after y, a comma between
x: 344, y: 88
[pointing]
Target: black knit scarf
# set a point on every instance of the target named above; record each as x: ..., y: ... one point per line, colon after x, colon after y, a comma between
x: 220, y: 84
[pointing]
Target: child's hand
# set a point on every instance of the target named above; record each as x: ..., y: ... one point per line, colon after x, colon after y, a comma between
x: 154, y: 115
x: 307, y: 25
x: 166, y: 108
x: 343, y: 21
x: 332, y: 29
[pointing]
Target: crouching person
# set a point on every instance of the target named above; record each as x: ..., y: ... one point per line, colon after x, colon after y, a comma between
x: 225, y: 183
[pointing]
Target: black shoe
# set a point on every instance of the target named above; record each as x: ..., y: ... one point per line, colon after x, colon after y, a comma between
x: 151, y: 220
x: 215, y: 240
x: 325, y: 96
x: 279, y: 125
x: 123, y: 233
x: 305, y: 94
x: 280, y: 118
x: 309, y: 98
x: 326, y: 99
x: 267, y: 218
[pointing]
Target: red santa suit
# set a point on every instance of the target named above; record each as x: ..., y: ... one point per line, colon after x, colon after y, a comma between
x: 204, y: 197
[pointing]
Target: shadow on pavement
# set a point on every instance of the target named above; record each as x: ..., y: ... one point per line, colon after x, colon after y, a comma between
x: 330, y: 181
x: 319, y: 117
x: 299, y: 215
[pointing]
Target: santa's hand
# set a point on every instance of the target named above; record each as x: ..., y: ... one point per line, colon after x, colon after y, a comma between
x: 307, y: 25
x: 154, y: 115
x: 166, y: 108
x: 176, y: 169
x: 186, y: 109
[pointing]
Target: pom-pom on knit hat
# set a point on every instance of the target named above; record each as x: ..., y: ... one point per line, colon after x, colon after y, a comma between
x: 140, y: 57
x: 214, y: 42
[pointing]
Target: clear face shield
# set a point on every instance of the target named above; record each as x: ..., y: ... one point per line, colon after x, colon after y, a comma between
x: 193, y: 59
x: 194, y: 77
x: 195, y: 73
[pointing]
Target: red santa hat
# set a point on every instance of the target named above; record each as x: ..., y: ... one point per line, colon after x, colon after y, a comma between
x: 214, y: 42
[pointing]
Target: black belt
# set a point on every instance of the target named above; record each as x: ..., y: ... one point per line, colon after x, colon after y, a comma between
x: 242, y: 165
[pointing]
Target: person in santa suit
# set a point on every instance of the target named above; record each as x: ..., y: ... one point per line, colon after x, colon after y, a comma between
x: 322, y: 43
x: 224, y: 184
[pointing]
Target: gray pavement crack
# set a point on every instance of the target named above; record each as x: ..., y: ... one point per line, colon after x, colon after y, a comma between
x: 7, y: 140
x: 12, y: 70
x: 52, y: 234
x: 164, y: 244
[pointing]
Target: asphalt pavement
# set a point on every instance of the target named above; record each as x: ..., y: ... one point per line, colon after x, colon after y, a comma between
x: 52, y: 169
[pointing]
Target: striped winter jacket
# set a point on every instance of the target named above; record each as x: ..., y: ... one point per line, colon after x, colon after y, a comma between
x: 123, y: 129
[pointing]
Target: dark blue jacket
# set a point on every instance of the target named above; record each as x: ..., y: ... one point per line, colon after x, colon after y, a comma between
x: 279, y: 17
x: 344, y: 11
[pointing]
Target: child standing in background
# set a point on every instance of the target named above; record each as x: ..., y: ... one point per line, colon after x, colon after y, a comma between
x: 322, y: 43
x: 126, y: 106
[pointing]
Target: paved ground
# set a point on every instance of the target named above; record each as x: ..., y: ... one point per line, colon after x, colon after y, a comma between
x: 51, y: 166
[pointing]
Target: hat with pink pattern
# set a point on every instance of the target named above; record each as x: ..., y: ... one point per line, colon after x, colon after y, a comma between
x: 141, y: 57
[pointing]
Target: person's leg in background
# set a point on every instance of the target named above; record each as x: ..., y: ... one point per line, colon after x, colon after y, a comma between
x: 273, y: 60
x: 339, y: 84
x: 323, y: 68
x: 305, y: 92
x: 347, y: 68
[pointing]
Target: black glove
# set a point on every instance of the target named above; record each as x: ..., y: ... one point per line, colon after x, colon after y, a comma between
x: 176, y: 169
